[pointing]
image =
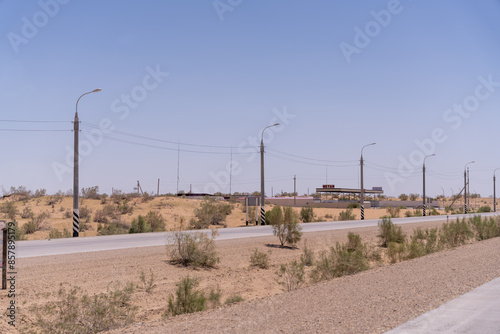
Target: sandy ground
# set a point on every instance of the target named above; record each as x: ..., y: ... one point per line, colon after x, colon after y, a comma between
x: 372, y: 301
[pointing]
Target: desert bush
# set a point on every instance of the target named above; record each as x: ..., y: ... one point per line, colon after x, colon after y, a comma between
x: 9, y: 210
x: 396, y: 251
x: 55, y: 234
x: 403, y: 197
x: 307, y: 257
x: 112, y: 228
x: 187, y: 299
x: 91, y: 192
x: 85, y: 212
x: 214, y: 297
x: 39, y: 220
x: 124, y: 208
x: 415, y: 250
x: 456, y: 233
x: 393, y: 212
x: 390, y: 232
x: 139, y: 225
x: 485, y: 208
x: 433, y: 212
x: 233, y: 299
x: 428, y: 239
x: 408, y: 214
x: 77, y: 312
x: 291, y: 276
x: 329, y: 216
x: 307, y: 214
x: 193, y: 248
x: 147, y: 284
x: 68, y: 214
x: 413, y: 197
x: 156, y: 221
x: 147, y: 197
x: 212, y: 213
x: 417, y: 213
x: 27, y: 213
x: 106, y: 214
x: 29, y: 227
x: 259, y: 259
x: 484, y: 228
x: 347, y: 215
x: 354, y: 242
x: 339, y: 261
x: 353, y: 206
x: 285, y: 225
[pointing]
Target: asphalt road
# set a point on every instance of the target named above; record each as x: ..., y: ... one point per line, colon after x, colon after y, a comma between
x: 34, y: 248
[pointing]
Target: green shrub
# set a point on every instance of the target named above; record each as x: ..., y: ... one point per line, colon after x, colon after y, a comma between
x: 29, y: 227
x: 139, y: 225
x: 485, y: 208
x: 393, y: 212
x: 285, y: 225
x: 106, y: 214
x: 124, y: 208
x: 193, y: 248
x: 211, y: 213
x: 454, y: 234
x: 259, y: 259
x: 75, y: 312
x: 307, y: 257
x: 187, y: 299
x: 353, y: 206
x: 147, y: 285
x: 408, y: 214
x: 340, y: 261
x: 9, y: 210
x: 27, y: 213
x: 484, y: 228
x: 396, y: 251
x: 214, y: 297
x: 156, y: 221
x: 390, y: 232
x: 291, y: 275
x: 55, y: 234
x: 307, y: 214
x: 347, y: 215
x: 354, y: 242
x: 233, y: 299
x: 112, y: 228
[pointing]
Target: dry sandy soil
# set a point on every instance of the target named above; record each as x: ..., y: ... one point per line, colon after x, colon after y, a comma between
x: 369, y: 302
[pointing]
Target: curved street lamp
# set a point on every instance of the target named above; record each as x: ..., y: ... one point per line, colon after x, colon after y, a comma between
x: 494, y: 192
x: 362, y: 191
x: 465, y: 185
x: 262, y: 196
x: 423, y: 173
x: 76, y: 129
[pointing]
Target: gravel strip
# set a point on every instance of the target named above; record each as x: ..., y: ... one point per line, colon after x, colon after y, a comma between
x: 369, y: 302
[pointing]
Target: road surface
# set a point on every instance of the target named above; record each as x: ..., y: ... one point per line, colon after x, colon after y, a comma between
x: 34, y: 248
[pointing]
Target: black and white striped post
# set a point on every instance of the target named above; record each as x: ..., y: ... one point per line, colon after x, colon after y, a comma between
x: 362, y: 190
x: 465, y: 185
x: 262, y: 195
x: 76, y: 209
x: 423, y: 173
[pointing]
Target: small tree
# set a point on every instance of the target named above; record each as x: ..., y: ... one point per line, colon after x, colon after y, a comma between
x: 91, y: 192
x: 187, y: 298
x: 403, y: 197
x: 285, y: 225
x: 390, y: 232
x: 307, y: 214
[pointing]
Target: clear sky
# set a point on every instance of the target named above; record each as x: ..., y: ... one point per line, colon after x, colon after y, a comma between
x: 416, y: 77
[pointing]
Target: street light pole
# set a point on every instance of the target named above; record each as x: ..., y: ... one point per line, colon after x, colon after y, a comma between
x: 262, y: 196
x: 494, y: 191
x: 76, y: 129
x: 423, y: 173
x: 362, y: 190
x: 465, y: 185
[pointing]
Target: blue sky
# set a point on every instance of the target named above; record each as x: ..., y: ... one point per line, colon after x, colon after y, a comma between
x: 336, y: 74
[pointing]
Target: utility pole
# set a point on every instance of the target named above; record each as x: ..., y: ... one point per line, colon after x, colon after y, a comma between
x: 494, y: 192
x: 423, y: 172
x: 465, y: 185
x: 178, y: 163
x: 262, y: 195
x: 76, y: 171
x: 231, y: 172
x: 294, y: 189
x: 362, y: 190
x: 158, y: 190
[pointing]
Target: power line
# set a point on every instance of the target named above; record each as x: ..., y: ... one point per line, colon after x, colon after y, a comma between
x: 33, y: 130
x: 312, y: 159
x: 23, y: 121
